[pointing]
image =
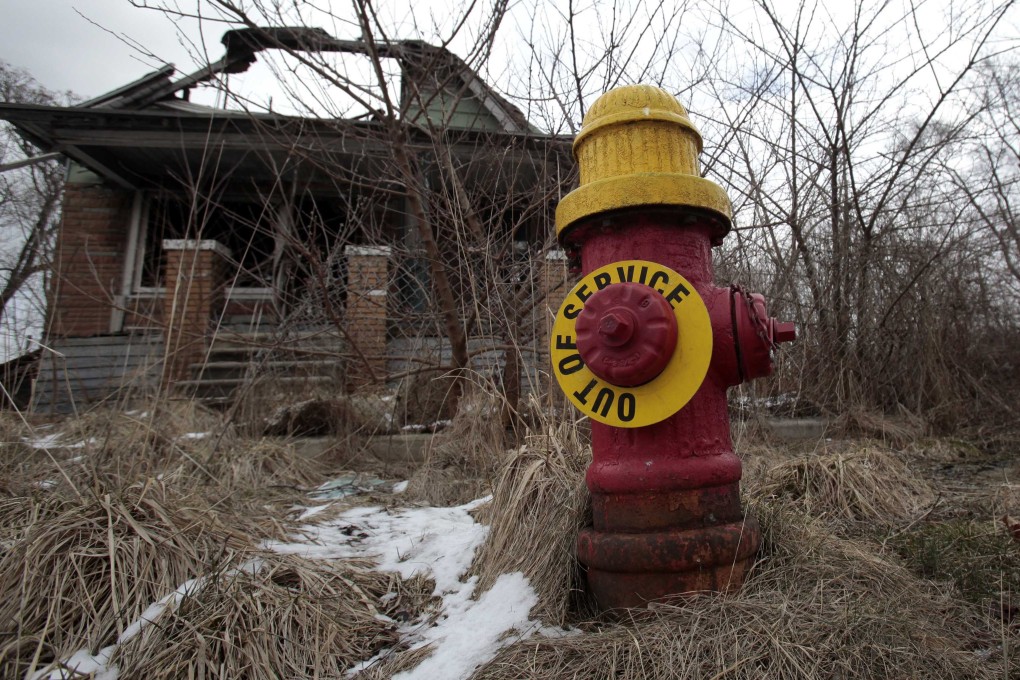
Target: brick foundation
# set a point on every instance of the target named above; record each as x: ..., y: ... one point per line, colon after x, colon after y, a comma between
x: 554, y: 284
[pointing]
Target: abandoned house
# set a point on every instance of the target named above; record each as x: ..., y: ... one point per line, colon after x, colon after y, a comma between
x: 204, y: 248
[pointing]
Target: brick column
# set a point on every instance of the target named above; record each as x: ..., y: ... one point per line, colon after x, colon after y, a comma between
x: 88, y: 265
x: 367, y: 288
x: 195, y: 276
x: 554, y: 283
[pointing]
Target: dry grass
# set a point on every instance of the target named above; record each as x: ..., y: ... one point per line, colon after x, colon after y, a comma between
x: 394, y: 663
x: 539, y: 503
x: 816, y: 606
x: 86, y: 555
x: 424, y: 397
x: 291, y: 618
x: 979, y: 558
x: 338, y: 415
x: 895, y: 431
x: 465, y: 458
x: 80, y: 570
x: 859, y: 484
x: 254, y: 465
x: 121, y: 509
x: 190, y: 447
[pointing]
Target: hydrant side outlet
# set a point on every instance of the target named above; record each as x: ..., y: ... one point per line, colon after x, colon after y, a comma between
x: 665, y: 492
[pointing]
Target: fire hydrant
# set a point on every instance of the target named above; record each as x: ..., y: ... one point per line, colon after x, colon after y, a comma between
x: 646, y: 346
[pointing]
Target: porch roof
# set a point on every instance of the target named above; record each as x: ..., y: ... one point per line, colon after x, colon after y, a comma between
x: 147, y: 135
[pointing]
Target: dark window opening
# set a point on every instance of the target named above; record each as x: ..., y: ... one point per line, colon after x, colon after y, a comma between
x: 245, y: 229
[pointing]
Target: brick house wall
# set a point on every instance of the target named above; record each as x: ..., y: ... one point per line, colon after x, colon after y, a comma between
x: 554, y: 284
x: 88, y: 263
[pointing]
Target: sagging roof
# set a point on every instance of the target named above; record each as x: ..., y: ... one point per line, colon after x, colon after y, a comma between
x: 148, y: 127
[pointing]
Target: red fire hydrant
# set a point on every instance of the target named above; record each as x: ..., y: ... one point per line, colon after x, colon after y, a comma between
x: 647, y: 346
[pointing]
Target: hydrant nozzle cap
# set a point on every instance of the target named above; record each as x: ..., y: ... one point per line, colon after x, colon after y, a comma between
x: 638, y: 147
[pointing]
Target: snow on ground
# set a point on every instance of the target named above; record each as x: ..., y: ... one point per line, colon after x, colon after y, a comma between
x: 194, y: 435
x: 437, y: 542
x: 52, y: 441
x: 470, y: 632
x: 83, y: 662
x: 350, y: 484
x: 48, y: 441
x: 440, y: 543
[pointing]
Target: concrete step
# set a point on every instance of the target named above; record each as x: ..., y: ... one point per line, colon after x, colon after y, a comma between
x: 232, y: 353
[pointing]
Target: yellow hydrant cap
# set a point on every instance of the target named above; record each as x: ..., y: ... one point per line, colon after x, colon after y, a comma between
x: 638, y: 147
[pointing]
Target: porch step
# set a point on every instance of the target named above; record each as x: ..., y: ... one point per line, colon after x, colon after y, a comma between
x: 297, y: 361
x: 226, y: 337
x: 218, y: 391
x: 259, y: 355
x: 212, y: 370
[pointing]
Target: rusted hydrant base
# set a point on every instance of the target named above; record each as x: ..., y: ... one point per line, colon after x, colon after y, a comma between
x: 632, y: 569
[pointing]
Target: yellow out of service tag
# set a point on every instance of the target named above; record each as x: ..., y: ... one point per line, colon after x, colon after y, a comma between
x: 665, y: 394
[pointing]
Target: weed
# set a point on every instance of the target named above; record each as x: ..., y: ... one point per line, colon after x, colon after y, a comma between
x: 980, y: 560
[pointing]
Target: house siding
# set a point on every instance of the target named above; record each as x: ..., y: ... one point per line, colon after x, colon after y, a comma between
x: 78, y: 373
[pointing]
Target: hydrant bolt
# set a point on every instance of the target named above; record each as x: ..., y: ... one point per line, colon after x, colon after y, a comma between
x: 783, y: 331
x: 617, y: 327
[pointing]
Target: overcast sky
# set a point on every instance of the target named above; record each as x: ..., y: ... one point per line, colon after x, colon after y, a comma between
x: 87, y: 45
x: 93, y: 46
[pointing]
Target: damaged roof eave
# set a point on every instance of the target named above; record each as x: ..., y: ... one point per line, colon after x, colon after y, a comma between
x: 106, y: 134
x: 243, y: 44
x: 110, y: 141
x: 100, y: 139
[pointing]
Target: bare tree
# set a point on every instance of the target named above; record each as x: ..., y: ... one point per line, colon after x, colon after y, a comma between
x: 839, y: 130
x: 30, y: 190
x: 988, y: 173
x: 836, y: 131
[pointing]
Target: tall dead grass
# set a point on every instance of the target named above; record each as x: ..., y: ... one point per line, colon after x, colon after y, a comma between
x: 539, y: 503
x: 103, y: 514
x: 815, y: 606
x: 862, y: 483
x: 117, y: 510
x: 287, y: 618
x: 196, y: 451
x: 464, y: 458
x: 81, y: 569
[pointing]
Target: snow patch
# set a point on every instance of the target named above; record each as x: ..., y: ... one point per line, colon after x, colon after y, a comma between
x: 472, y: 631
x: 441, y: 543
x: 83, y: 663
x: 48, y: 441
x: 194, y: 435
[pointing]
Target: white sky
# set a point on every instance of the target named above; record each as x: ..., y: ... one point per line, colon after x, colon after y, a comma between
x: 90, y: 47
x: 93, y: 46
x: 84, y: 45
